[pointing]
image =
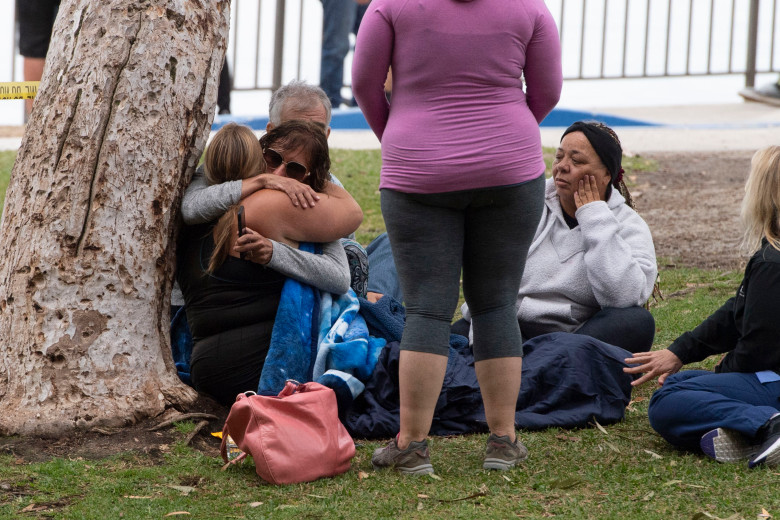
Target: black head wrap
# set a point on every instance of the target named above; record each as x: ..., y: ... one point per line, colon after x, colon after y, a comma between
x: 606, y: 145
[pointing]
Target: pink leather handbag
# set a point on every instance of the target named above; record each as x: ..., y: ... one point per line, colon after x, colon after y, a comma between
x: 293, y: 437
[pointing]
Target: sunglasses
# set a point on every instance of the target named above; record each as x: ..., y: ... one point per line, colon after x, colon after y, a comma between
x: 295, y: 170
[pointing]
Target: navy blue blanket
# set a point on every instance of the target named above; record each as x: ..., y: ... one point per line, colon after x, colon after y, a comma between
x: 568, y: 380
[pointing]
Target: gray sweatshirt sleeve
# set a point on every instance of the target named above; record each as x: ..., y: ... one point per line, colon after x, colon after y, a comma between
x: 327, y: 272
x: 203, y: 203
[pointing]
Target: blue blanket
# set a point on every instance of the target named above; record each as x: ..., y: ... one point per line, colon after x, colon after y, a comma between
x: 568, y: 379
x: 317, y: 337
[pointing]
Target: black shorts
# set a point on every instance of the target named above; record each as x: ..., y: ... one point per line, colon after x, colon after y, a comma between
x: 36, y: 20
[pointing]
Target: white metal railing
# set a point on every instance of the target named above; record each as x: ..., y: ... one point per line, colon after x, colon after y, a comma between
x: 601, y: 39
x: 273, y: 41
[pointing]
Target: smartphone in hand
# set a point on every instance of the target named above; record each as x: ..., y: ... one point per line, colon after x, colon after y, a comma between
x: 241, y: 226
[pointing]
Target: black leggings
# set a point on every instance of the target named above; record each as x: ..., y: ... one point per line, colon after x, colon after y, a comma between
x: 487, y: 232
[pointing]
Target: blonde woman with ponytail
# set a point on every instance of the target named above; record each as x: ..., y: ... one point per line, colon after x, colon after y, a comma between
x: 733, y: 413
x: 231, y: 302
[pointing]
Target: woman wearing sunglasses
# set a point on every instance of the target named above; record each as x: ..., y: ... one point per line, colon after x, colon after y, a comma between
x: 462, y: 180
x: 231, y: 302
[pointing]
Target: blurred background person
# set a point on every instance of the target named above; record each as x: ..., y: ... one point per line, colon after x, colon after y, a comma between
x: 340, y: 18
x: 36, y: 20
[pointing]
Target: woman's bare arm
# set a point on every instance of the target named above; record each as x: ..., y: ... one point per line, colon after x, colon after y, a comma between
x: 335, y: 215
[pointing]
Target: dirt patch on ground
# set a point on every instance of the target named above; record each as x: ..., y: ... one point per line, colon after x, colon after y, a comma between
x: 690, y: 201
x: 145, y: 438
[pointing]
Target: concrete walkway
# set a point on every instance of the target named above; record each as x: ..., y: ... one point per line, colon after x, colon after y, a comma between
x: 738, y: 126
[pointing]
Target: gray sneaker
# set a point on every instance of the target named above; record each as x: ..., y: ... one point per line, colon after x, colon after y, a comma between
x: 503, y: 454
x: 726, y: 445
x: 414, y: 460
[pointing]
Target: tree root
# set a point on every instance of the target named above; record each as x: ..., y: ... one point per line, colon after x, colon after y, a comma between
x: 198, y: 428
x: 184, y: 417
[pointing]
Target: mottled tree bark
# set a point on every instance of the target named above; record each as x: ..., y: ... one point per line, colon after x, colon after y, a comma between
x: 88, y: 227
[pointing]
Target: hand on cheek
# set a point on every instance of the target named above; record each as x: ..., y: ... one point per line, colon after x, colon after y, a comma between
x: 587, y: 191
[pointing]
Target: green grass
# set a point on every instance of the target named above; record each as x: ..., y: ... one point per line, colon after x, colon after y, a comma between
x: 359, y: 172
x: 6, y: 163
x: 627, y: 472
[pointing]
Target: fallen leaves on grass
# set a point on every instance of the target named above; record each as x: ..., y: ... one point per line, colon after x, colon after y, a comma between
x: 44, y: 507
x: 632, y: 402
x: 483, y: 492
x: 566, y: 483
x: 653, y: 454
x: 33, y: 508
x: 600, y: 427
x: 703, y: 514
x: 185, y: 490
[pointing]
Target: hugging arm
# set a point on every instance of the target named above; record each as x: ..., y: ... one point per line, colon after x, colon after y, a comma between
x: 203, y: 202
x: 270, y: 213
x: 328, y: 272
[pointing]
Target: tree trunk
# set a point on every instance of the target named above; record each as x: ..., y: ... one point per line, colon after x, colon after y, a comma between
x: 88, y: 227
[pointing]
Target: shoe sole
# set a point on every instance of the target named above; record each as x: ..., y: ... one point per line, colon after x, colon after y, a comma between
x: 500, y: 464
x: 770, y: 457
x: 726, y: 446
x: 422, y: 469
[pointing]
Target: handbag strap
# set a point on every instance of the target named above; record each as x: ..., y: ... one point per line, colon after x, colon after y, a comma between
x: 290, y: 387
x: 235, y: 461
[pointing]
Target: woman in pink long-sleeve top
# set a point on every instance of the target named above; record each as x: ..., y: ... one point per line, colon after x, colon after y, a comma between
x: 462, y: 181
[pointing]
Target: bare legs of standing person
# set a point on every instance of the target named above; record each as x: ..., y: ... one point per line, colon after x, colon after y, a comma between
x: 420, y: 377
x: 499, y: 382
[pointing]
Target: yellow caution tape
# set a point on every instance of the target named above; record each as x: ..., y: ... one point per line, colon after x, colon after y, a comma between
x: 19, y: 89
